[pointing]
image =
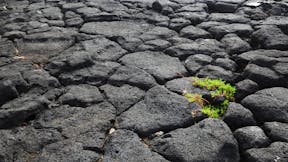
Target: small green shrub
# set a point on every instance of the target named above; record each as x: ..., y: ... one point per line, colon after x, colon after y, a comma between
x: 217, y: 88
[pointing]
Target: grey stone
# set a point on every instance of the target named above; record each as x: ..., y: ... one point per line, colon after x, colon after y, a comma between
x: 268, y: 104
x: 208, y: 140
x: 228, y: 18
x: 245, y: 88
x: 237, y: 116
x: 276, y: 131
x: 184, y: 84
x: 67, y: 150
x: 193, y: 32
x: 85, y: 125
x: 200, y: 46
x: 53, y: 13
x: 226, y: 63
x: 7, y: 48
x: 40, y: 77
x: 158, y: 64
x: 216, y: 72
x: 237, y: 28
x: 17, y: 111
x: 81, y: 95
x: 271, y: 37
x: 94, y: 75
x: 178, y: 23
x: 195, y: 62
x: 50, y: 42
x: 134, y: 76
x: 194, y: 17
x: 208, y: 24
x: 234, y: 44
x: 124, y: 145
x: 161, y: 110
x: 20, y: 143
x: 277, y: 151
x: 264, y: 76
x: 122, y: 97
x: 7, y: 91
x: 103, y: 49
x: 114, y: 28
x: 157, y: 33
x: 251, y: 137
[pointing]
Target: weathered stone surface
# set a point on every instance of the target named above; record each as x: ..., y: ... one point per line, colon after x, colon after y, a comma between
x: 193, y: 32
x: 245, y: 88
x: 276, y: 131
x: 67, y: 150
x: 184, y: 84
x: 21, y: 143
x: 161, y: 110
x: 226, y: 63
x: 122, y: 97
x: 237, y: 116
x: 215, y: 72
x: 228, y: 18
x: 7, y: 91
x: 271, y: 37
x: 239, y: 29
x: 40, y: 77
x: 15, y: 112
x: 209, y: 140
x: 81, y: 95
x: 50, y: 42
x: 124, y: 145
x: 86, y: 125
x: 201, y: 46
x: 114, y: 28
x: 276, y: 151
x: 234, y: 44
x: 157, y: 33
x: 161, y: 66
x: 103, y: 49
x: 95, y: 74
x: 264, y: 76
x: 195, y: 62
x: 251, y: 137
x: 134, y: 76
x: 6, y: 48
x: 268, y: 104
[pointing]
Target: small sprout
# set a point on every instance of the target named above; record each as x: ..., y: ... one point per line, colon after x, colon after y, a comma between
x: 217, y: 102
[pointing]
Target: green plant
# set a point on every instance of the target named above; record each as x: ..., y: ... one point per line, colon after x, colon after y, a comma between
x: 217, y: 88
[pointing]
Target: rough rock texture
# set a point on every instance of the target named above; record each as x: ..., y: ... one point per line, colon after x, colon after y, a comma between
x: 161, y: 110
x: 103, y: 80
x: 203, y: 141
x: 268, y: 104
x: 251, y: 137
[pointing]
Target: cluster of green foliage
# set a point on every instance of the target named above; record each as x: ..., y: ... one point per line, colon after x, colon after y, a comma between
x: 217, y: 88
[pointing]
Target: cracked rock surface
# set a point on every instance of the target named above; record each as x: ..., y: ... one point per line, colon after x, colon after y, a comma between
x: 102, y: 80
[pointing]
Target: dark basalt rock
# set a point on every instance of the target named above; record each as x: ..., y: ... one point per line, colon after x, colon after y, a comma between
x: 125, y: 145
x: 208, y: 140
x: 17, y: 111
x: 271, y: 37
x: 251, y: 137
x: 103, y: 80
x: 161, y: 66
x: 237, y: 116
x: 268, y: 104
x: 276, y: 131
x: 122, y: 97
x: 277, y: 150
x: 81, y: 95
x: 161, y: 110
